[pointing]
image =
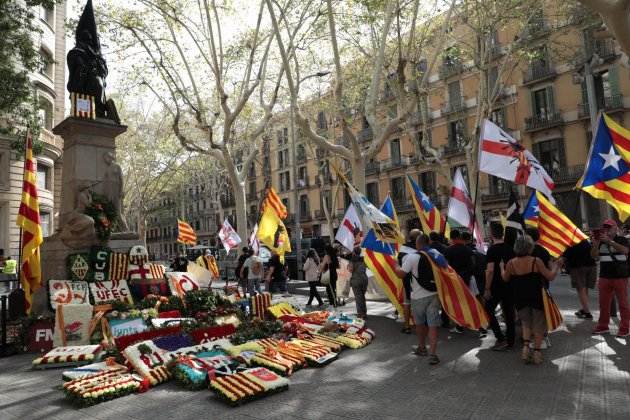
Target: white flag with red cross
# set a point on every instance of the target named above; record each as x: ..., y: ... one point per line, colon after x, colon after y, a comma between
x: 461, y: 209
x: 229, y: 237
x: 349, y: 232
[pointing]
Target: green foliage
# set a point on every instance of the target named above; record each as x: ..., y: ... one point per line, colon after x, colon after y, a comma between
x: 254, y: 330
x: 18, y: 58
x: 104, y: 214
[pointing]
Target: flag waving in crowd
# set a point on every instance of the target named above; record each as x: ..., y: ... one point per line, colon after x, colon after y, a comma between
x: 607, y: 175
x: 185, y: 233
x: 429, y: 215
x: 380, y: 258
x: 273, y: 233
x: 30, y: 225
x: 349, y: 229
x: 461, y: 209
x: 229, y: 237
x: 620, y: 137
x: 273, y: 201
x: 502, y: 156
x: 530, y: 214
x: 513, y: 221
x: 557, y: 232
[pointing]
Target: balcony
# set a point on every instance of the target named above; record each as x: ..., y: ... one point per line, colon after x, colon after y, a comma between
x: 567, y: 174
x: 365, y: 135
x: 610, y: 103
x: 494, y: 195
x: 302, y: 183
x: 538, y: 72
x: 402, y: 204
x: 451, y: 69
x: 604, y: 48
x: 372, y: 168
x: 536, y: 28
x: 542, y: 122
x: 455, y: 147
x: 391, y: 164
x: 300, y: 158
x: 454, y: 106
x: 305, y: 216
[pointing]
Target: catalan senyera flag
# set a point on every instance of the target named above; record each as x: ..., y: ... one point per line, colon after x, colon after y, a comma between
x: 380, y: 258
x: 429, y: 215
x: 557, y: 232
x: 607, y: 175
x: 273, y: 200
x: 185, y: 233
x: 209, y: 263
x: 273, y: 233
x: 620, y: 137
x: 530, y: 214
x: 456, y: 298
x: 29, y: 222
x: 552, y: 312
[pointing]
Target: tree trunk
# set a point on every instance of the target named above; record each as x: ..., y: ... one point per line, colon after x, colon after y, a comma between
x: 241, y: 211
x: 142, y: 228
x: 358, y: 174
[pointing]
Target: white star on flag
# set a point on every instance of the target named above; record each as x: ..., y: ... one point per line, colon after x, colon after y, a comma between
x: 611, y: 159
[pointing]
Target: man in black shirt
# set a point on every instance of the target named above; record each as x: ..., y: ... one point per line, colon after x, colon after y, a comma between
x: 611, y: 250
x: 436, y: 242
x: 497, y: 291
x: 460, y: 257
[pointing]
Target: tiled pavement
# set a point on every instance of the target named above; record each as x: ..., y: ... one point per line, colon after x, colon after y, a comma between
x: 583, y: 377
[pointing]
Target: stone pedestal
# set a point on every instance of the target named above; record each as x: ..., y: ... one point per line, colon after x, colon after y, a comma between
x: 85, y: 144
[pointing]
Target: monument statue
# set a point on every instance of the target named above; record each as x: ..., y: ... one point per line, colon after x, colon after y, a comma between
x: 113, y: 188
x: 87, y: 67
x: 79, y: 230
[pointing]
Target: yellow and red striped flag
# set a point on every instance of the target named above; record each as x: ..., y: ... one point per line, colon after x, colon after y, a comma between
x: 557, y: 232
x: 552, y: 312
x: 273, y: 200
x: 209, y: 263
x: 185, y: 233
x: 29, y: 222
x: 620, y: 137
x: 456, y: 298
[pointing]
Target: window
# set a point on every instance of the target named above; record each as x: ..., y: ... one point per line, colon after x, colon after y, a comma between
x: 456, y: 133
x: 48, y: 16
x: 602, y: 88
x: 499, y: 185
x: 304, y: 210
x: 451, y: 57
x: 398, y: 189
x: 550, y: 154
x: 394, y: 151
x: 543, y: 103
x: 427, y: 181
x: 197, y: 225
x: 283, y: 136
x: 43, y: 176
x: 285, y: 202
x: 44, y: 218
x: 253, y: 212
x: 497, y: 116
x: 454, y: 93
x: 372, y: 193
x: 46, y: 63
x: 252, y: 189
x: 322, y: 124
x: 283, y: 159
x: 45, y: 112
x: 4, y: 169
x: 301, y: 153
x: 285, y: 181
x: 302, y: 176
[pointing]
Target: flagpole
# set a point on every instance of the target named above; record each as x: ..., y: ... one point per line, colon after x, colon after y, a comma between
x: 19, y: 267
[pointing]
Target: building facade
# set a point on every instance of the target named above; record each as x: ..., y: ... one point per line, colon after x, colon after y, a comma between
x: 49, y: 87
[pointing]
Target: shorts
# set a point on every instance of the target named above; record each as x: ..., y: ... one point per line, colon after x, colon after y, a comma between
x: 533, y: 319
x: 583, y: 277
x: 407, y: 289
x: 426, y: 310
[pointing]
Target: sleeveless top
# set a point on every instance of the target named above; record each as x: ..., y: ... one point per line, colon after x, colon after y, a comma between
x: 528, y: 289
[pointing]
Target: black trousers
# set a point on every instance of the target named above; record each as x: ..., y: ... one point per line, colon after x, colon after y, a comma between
x: 506, y: 300
x: 331, y: 291
x: 313, y: 293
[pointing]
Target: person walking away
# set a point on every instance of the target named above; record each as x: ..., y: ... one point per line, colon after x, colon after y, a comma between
x: 241, y: 276
x: 275, y: 275
x: 611, y: 250
x: 358, y: 281
x: 425, y: 305
x: 583, y: 272
x: 252, y: 270
x: 478, y: 278
x: 498, y: 292
x: 330, y: 262
x: 460, y: 258
x: 409, y: 247
x: 541, y: 253
x: 436, y: 242
x: 527, y: 274
x: 311, y: 275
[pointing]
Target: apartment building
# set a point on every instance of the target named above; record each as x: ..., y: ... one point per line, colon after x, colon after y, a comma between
x: 543, y: 103
x: 49, y: 86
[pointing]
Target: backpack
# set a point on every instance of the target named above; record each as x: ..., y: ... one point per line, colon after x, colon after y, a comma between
x: 426, y: 283
x: 256, y: 267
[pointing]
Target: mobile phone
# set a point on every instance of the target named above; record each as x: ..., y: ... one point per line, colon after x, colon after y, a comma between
x: 597, y: 233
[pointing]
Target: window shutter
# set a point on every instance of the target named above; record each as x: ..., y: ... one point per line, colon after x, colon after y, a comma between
x: 613, y: 79
x: 585, y: 96
x: 532, y: 103
x: 561, y: 155
x: 550, y: 101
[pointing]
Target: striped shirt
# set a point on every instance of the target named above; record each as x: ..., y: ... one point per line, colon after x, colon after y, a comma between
x: 612, y: 263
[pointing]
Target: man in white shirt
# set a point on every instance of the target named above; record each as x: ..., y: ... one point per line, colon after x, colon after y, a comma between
x: 425, y: 305
x: 254, y: 267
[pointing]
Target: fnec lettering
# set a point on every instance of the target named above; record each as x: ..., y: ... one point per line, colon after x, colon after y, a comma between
x: 44, y: 334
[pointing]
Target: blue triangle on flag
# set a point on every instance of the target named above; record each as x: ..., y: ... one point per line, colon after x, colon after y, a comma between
x: 371, y: 242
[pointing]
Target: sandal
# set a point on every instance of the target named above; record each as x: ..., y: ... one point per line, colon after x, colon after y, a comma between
x: 537, y: 358
x: 421, y: 351
x: 525, y: 355
x: 406, y: 330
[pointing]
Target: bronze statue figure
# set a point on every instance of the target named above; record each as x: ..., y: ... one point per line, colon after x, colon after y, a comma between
x: 87, y: 67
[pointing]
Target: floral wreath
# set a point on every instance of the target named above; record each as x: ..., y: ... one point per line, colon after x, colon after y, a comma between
x: 104, y: 214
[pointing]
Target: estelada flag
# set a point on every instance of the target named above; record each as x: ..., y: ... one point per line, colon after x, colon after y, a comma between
x: 185, y: 233
x: 530, y: 214
x: 607, y: 175
x: 502, y: 156
x: 557, y: 231
x: 620, y: 137
x: 273, y: 233
x: 457, y: 300
x: 430, y: 218
x: 28, y: 220
x: 380, y: 258
x: 552, y: 312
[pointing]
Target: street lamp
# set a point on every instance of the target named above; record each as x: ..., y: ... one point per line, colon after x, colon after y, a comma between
x: 296, y: 197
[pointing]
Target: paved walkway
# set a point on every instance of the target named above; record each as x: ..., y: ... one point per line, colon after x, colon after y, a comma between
x: 583, y: 377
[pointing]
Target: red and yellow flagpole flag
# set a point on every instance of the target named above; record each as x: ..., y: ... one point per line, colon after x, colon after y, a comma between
x: 557, y: 231
x: 273, y: 200
x: 185, y: 233
x: 552, y: 312
x: 31, y: 228
x: 620, y: 137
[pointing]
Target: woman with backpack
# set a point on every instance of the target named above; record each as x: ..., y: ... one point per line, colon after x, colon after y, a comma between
x: 311, y: 275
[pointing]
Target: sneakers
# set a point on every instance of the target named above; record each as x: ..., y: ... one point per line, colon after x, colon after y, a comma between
x: 600, y: 330
x: 500, y: 346
x: 433, y: 359
x: 583, y: 315
x: 623, y: 332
